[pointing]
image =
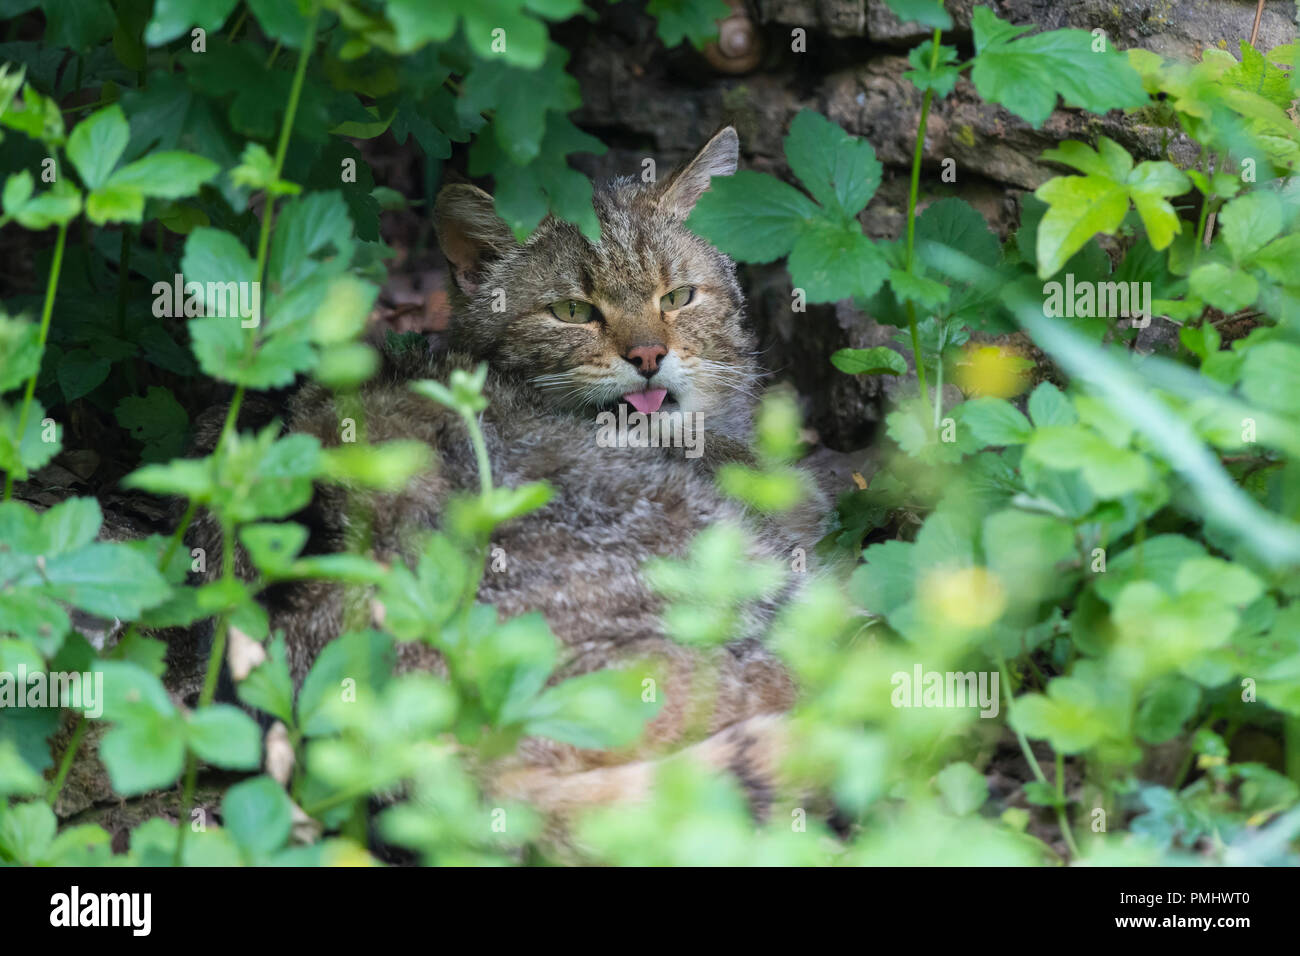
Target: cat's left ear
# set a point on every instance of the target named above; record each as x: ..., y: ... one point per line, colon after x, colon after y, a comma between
x: 718, y: 157
x: 470, y: 232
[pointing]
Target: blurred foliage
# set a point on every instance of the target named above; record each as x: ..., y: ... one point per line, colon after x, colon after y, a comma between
x: 1116, y: 560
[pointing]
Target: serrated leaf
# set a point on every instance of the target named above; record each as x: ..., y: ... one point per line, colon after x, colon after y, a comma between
x: 995, y: 421
x: 97, y: 143
x: 880, y: 360
x: 1026, y: 74
x: 258, y: 815
x: 928, y: 13
x: 693, y: 20
x: 840, y: 171
x: 225, y: 736
x: 751, y: 216
x: 165, y: 175
x: 1097, y: 202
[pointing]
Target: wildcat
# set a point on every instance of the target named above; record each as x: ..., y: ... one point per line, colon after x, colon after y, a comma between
x: 650, y: 316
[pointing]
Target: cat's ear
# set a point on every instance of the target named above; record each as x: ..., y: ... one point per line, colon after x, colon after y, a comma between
x: 718, y: 157
x: 470, y: 232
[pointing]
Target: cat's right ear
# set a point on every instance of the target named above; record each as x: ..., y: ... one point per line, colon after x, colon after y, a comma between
x: 470, y: 233
x: 718, y: 157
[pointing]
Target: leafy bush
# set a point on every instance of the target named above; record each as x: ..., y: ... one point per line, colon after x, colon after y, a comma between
x: 1118, y: 551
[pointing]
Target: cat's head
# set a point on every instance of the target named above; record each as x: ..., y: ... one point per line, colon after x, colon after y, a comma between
x: 650, y: 315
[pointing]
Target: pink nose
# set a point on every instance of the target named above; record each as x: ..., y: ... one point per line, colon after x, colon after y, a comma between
x: 646, y: 358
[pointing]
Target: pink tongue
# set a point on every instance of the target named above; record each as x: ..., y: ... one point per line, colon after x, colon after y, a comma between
x: 647, y: 401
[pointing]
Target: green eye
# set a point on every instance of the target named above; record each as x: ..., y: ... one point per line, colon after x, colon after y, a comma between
x: 571, y: 310
x: 677, y: 298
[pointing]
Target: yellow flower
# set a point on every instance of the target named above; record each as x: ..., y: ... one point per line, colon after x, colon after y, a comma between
x: 969, y: 599
x: 992, y: 370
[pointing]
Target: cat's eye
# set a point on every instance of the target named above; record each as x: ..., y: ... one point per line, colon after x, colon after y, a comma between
x: 677, y: 298
x: 571, y: 310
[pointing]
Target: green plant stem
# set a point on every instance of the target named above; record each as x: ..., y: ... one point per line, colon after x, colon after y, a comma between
x: 1291, y: 730
x: 123, y: 280
x: 286, y: 128
x: 239, y: 22
x: 938, y: 388
x: 268, y: 209
x: 232, y: 416
x: 1200, y: 228
x: 65, y: 764
x: 1034, y: 767
x: 215, y: 657
x: 912, y: 195
x: 480, y: 455
x: 178, y: 536
x: 51, y: 287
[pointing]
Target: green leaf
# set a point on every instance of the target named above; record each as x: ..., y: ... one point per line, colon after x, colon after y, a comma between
x: 840, y: 171
x: 114, y: 204
x: 1223, y: 287
x: 525, y: 194
x: 597, y: 711
x: 31, y: 450
x: 887, y: 579
x: 963, y: 788
x: 519, y: 101
x: 166, y: 175
x: 958, y: 224
x: 693, y: 20
x: 928, y: 13
x: 1097, y: 202
x: 269, y: 686
x: 1271, y: 376
x: 281, y: 20
x: 313, y: 236
x: 80, y: 372
x: 108, y: 579
x: 880, y: 360
x: 20, y: 352
x: 388, y: 466
x: 1166, y: 707
x: 18, y: 189
x: 97, y: 143
x: 832, y: 261
x: 56, y: 206
x: 157, y: 421
x: 26, y: 831
x: 69, y: 525
x: 1070, y: 716
x: 1027, y: 552
x: 752, y: 216
x: 34, y: 618
x: 143, y: 751
x: 78, y: 24
x: 910, y: 287
x: 215, y: 256
x: 37, y: 116
x: 943, y: 78
x: 363, y: 659
x: 995, y: 421
x: 1110, y: 472
x: 258, y: 815
x: 1249, y: 223
x: 171, y: 18
x: 225, y: 736
x: 1026, y: 74
x: 17, y: 777
x: 1049, y: 406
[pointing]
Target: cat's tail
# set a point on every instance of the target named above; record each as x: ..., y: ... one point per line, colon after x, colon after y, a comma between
x: 751, y: 750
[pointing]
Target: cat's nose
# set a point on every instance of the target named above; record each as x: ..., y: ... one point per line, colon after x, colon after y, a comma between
x: 646, y: 358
